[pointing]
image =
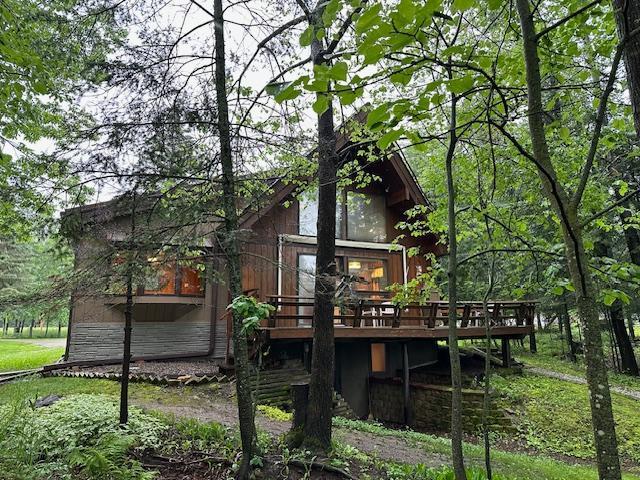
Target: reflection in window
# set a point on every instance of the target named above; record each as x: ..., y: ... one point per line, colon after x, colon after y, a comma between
x: 190, y: 281
x: 366, y: 217
x: 160, y: 276
x: 308, y: 213
x: 371, y: 272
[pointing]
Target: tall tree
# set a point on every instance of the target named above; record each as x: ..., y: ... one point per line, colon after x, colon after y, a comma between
x: 317, y: 428
x: 229, y: 241
x: 566, y: 208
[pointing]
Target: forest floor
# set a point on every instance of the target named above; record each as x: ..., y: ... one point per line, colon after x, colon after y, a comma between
x: 357, y: 442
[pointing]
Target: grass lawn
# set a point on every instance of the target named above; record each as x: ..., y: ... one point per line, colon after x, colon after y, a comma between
x: 551, y: 349
x: 16, y: 355
x: 508, y: 464
x: 554, y: 416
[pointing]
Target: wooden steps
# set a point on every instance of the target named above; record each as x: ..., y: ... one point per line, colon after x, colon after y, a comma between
x: 273, y: 387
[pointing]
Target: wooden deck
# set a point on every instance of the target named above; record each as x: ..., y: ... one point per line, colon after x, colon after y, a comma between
x: 376, y: 317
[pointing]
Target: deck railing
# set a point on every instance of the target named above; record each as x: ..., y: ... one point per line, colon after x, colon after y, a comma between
x: 375, y: 310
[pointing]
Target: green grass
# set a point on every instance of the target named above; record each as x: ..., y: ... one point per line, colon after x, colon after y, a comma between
x: 551, y: 348
x: 37, y: 333
x: 555, y: 417
x: 508, y: 464
x: 16, y: 355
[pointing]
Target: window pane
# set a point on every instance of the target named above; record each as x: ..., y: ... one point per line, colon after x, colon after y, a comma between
x: 308, y: 213
x: 190, y: 281
x: 372, y: 273
x: 378, y: 358
x: 366, y: 217
x: 160, y: 276
x: 306, y: 284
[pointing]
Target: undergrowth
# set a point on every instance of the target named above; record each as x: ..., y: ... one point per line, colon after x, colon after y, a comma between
x: 77, y: 434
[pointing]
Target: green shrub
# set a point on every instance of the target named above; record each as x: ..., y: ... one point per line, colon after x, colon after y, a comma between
x: 51, y: 441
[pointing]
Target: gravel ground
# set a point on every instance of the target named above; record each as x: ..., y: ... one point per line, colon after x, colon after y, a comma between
x: 172, y: 369
x: 627, y: 392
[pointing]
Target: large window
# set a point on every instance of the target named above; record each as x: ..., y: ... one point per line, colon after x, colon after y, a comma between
x: 364, y: 220
x: 366, y: 217
x: 159, y: 274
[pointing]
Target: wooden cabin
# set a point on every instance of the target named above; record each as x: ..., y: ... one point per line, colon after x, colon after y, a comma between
x: 177, y: 313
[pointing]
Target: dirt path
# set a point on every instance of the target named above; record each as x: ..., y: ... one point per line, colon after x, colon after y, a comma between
x: 225, y: 412
x: 627, y: 392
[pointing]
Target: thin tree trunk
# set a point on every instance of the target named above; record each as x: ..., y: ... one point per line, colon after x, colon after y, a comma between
x: 454, y: 352
x: 317, y: 431
x: 128, y: 319
x: 231, y: 250
x: 632, y: 333
x: 599, y: 393
x: 568, y: 335
x: 628, y: 363
x: 486, y: 403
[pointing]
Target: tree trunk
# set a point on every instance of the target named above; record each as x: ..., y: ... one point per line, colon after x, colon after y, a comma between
x: 317, y: 431
x: 632, y: 332
x: 128, y: 320
x: 230, y: 246
x: 599, y: 394
x: 628, y: 362
x: 571, y: 352
x: 454, y: 352
x: 627, y: 13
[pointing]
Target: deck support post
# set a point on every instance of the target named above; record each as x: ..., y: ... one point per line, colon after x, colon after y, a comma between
x: 533, y: 346
x: 406, y: 387
x: 300, y: 400
x: 506, y: 353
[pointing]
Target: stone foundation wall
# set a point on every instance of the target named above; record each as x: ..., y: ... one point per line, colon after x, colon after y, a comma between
x: 431, y: 406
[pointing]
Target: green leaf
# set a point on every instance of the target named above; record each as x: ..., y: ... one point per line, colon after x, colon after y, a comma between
x: 460, y: 85
x: 557, y: 291
x: 462, y: 5
x: 288, y: 93
x: 368, y: 18
x: 339, y: 71
x: 321, y: 104
x: 407, y: 9
x: 378, y: 115
x: 306, y: 37
x: 388, y: 138
x: 565, y: 133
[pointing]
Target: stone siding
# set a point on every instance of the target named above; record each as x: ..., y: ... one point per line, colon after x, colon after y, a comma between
x: 431, y: 406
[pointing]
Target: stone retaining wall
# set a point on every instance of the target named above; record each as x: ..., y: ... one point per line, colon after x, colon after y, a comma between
x: 431, y: 406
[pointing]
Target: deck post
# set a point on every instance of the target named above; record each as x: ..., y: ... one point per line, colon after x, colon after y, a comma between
x: 533, y: 346
x: 406, y: 387
x: 300, y: 400
x: 506, y: 353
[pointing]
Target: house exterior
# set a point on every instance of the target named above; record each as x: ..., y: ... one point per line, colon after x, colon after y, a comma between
x: 177, y: 313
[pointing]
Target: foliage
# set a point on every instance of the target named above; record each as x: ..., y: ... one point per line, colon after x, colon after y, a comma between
x: 554, y: 416
x: 50, y: 51
x: 275, y: 413
x: 16, y: 355
x: 251, y: 311
x: 79, y: 431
